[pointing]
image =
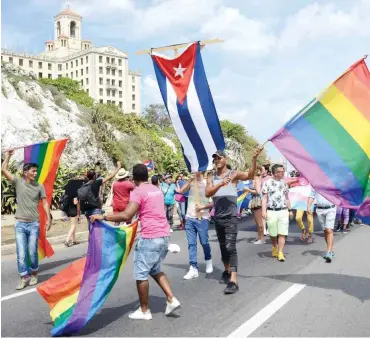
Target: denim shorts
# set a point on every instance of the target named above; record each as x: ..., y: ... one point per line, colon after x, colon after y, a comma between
x: 148, y: 256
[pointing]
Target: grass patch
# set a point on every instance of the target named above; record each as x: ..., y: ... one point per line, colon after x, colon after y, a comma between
x: 34, y: 103
x: 61, y: 102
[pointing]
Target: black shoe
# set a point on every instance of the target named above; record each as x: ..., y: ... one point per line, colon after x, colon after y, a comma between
x: 231, y: 288
x: 225, y: 278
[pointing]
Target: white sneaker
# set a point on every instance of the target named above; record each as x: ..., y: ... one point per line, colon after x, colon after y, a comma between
x: 171, y: 230
x: 192, y: 273
x: 266, y: 233
x: 209, y: 266
x: 138, y: 314
x: 175, y: 304
x: 259, y: 242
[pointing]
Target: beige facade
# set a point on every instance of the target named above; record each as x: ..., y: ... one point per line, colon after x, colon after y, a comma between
x: 102, y: 71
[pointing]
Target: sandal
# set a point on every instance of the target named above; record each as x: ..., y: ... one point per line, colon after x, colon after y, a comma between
x: 67, y: 244
x: 75, y: 243
x: 303, y: 236
x: 309, y: 239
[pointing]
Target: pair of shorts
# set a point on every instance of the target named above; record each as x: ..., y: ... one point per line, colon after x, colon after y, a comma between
x: 327, y: 217
x: 148, y: 256
x: 278, y: 222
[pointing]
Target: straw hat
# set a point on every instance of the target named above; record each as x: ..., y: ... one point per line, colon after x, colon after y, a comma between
x: 122, y: 173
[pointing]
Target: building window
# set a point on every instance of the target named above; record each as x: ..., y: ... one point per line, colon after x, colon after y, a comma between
x: 107, y: 59
x: 108, y: 92
x: 108, y: 102
x: 113, y: 82
x: 100, y: 59
x: 87, y: 59
x: 133, y: 88
x: 120, y: 62
x: 120, y: 104
x: 49, y: 76
x: 87, y: 81
x: 40, y: 65
x: 82, y: 72
x: 30, y: 63
x: 101, y: 101
x: 40, y: 75
x: 67, y: 66
x: 120, y: 84
x: 113, y: 93
x: 71, y: 64
x: 112, y: 60
x: 82, y: 61
x: 21, y: 62
x: 59, y: 76
x: 59, y: 67
x: 49, y: 66
x: 76, y: 63
x: 82, y: 83
x: 100, y: 80
x: 87, y: 91
x: 133, y: 106
x: 72, y: 32
x: 120, y: 94
x: 108, y: 71
x: 133, y: 79
x: 113, y: 72
x: 10, y: 60
x: 66, y: 74
x: 71, y: 75
x: 100, y: 70
x: 133, y: 97
x: 101, y: 91
x: 114, y: 102
x: 87, y: 70
x: 76, y: 73
x: 108, y: 82
x: 120, y: 73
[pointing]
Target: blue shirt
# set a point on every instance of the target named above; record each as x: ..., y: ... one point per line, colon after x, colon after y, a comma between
x: 181, y: 184
x: 169, y: 193
x: 320, y: 200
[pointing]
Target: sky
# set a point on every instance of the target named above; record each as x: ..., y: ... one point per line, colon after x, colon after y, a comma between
x: 276, y: 55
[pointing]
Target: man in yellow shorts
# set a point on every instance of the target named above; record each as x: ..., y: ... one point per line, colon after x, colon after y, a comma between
x: 276, y: 209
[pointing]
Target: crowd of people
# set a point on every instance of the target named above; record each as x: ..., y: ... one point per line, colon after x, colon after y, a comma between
x: 204, y: 198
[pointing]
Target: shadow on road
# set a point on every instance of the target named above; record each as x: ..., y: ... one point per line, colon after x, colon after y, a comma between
x: 354, y: 286
x: 313, y: 253
x: 51, y: 265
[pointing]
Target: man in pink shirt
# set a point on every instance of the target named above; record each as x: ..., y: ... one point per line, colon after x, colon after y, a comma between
x: 151, y: 249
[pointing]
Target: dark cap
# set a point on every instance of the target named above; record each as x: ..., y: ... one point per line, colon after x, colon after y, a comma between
x: 219, y: 153
x: 167, y: 176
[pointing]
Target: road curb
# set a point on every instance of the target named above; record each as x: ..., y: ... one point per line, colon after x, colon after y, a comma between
x: 82, y: 236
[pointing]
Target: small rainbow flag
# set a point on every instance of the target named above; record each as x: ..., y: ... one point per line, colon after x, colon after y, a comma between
x: 75, y: 294
x: 46, y: 155
x: 328, y: 141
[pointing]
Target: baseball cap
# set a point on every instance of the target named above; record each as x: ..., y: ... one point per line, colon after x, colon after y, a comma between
x: 219, y: 153
x: 167, y: 176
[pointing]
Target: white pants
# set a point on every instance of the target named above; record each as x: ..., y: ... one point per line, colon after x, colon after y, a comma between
x: 327, y: 217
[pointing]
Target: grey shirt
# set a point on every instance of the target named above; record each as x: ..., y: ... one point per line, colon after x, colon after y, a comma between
x: 28, y: 197
x: 225, y: 198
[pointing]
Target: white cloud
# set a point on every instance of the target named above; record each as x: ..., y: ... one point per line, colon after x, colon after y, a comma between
x: 150, y: 91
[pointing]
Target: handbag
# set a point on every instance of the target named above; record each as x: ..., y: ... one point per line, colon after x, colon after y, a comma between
x: 256, y: 202
x: 179, y: 198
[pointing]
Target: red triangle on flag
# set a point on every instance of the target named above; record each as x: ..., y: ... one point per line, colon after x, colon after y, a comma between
x: 179, y: 70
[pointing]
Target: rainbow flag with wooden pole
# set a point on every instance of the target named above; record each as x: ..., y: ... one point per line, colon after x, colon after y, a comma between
x: 46, y: 155
x: 75, y: 294
x: 328, y: 141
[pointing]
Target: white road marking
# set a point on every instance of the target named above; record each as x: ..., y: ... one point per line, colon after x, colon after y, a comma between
x: 18, y: 294
x: 252, y: 324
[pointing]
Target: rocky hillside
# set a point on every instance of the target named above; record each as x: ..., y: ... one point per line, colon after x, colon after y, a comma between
x: 33, y: 111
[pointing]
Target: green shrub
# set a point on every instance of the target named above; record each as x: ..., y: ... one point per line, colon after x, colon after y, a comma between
x: 34, y: 103
x: 61, y: 102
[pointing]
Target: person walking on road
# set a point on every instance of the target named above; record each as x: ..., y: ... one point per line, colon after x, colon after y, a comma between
x: 27, y: 226
x: 152, y: 246
x: 197, y: 222
x: 326, y: 214
x: 276, y: 210
x: 180, y: 200
x: 169, y: 189
x: 222, y: 188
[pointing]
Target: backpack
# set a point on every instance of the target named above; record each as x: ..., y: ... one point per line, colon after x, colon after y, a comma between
x: 63, y: 203
x: 87, y: 198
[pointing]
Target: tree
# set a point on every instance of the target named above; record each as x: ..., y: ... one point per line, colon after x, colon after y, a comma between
x: 234, y: 131
x: 157, y: 114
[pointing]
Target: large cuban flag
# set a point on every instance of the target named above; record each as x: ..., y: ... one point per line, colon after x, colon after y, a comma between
x: 185, y: 91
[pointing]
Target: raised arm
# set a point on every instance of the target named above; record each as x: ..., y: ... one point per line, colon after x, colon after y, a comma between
x: 4, y: 167
x: 108, y: 178
x: 211, y: 188
x: 242, y: 175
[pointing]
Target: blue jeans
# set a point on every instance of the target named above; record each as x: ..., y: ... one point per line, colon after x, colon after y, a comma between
x: 27, y: 240
x: 181, y: 210
x: 88, y: 213
x: 192, y: 227
x: 148, y: 256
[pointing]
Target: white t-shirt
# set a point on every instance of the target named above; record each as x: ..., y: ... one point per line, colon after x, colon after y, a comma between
x: 277, y: 193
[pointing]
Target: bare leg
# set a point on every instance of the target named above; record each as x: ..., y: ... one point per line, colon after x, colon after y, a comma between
x: 72, y: 231
x: 143, y: 291
x: 329, y: 239
x: 234, y: 277
x: 163, y: 283
x: 274, y: 241
x: 281, y: 242
x: 227, y: 267
x: 259, y: 221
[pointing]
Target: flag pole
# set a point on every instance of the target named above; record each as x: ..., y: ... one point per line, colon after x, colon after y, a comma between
x: 196, y: 191
x: 176, y: 47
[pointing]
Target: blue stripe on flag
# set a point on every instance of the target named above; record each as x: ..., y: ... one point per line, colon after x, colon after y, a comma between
x: 206, y: 101
x: 186, y: 159
x: 193, y: 135
x: 161, y: 78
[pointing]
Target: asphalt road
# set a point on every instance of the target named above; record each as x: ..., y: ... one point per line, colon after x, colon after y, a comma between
x: 320, y: 299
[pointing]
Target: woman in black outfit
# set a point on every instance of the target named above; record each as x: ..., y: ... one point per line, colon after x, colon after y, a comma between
x: 71, y: 191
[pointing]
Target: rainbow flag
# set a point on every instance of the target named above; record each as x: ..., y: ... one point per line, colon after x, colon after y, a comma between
x: 46, y: 155
x: 328, y: 141
x: 75, y: 294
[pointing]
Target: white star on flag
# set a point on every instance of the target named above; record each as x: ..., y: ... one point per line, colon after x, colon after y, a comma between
x: 179, y: 70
